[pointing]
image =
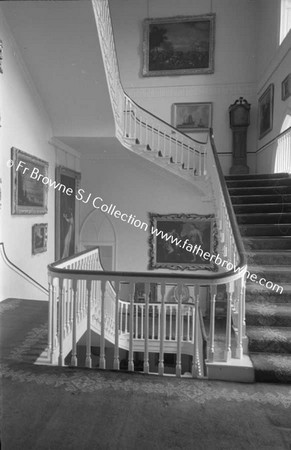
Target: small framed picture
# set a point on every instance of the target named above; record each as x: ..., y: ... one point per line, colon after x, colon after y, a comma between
x: 39, y: 238
x: 29, y: 194
x: 67, y: 214
x: 266, y: 111
x: 286, y: 87
x: 190, y: 117
x: 178, y: 45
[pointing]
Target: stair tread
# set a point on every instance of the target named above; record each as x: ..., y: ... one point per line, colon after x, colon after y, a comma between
x: 269, y: 309
x: 257, y: 175
x: 269, y: 268
x: 272, y: 367
x: 252, y: 288
x: 268, y: 252
x: 269, y: 333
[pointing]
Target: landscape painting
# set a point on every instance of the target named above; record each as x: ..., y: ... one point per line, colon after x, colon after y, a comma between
x: 179, y: 45
x: 189, y: 117
x: 29, y: 195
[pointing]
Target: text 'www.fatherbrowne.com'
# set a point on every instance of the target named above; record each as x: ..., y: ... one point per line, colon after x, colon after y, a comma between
x: 216, y: 258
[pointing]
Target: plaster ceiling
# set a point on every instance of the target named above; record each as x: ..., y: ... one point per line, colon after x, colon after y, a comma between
x: 59, y: 44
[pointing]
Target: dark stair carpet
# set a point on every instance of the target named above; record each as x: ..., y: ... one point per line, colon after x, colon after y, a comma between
x: 23, y: 330
x: 262, y: 204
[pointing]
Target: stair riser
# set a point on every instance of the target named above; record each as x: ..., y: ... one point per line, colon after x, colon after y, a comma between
x: 261, y: 199
x: 268, y: 297
x: 264, y: 218
x: 274, y: 320
x: 269, y: 346
x: 281, y: 190
x: 271, y: 259
x: 262, y: 230
x: 267, y: 244
x: 272, y: 376
x: 275, y: 277
x: 231, y: 184
x: 261, y: 209
x: 266, y: 176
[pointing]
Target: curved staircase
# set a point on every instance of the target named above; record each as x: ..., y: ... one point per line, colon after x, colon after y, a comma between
x: 262, y: 204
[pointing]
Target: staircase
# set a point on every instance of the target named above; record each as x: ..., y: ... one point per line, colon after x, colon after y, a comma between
x: 262, y: 204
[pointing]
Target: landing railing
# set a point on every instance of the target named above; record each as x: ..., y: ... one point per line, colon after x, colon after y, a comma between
x: 84, y: 298
x: 275, y: 155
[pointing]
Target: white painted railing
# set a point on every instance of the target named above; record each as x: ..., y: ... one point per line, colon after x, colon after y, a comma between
x: 275, y: 155
x: 136, y: 127
x: 82, y: 297
x: 283, y: 152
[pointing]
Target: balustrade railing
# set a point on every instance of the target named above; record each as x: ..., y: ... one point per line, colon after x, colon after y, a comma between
x: 135, y: 125
x: 275, y: 155
x: 83, y: 297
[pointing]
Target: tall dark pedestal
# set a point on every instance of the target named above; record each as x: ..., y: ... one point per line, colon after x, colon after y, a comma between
x: 239, y: 114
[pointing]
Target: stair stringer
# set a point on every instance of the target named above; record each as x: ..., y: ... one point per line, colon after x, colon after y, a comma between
x: 200, y: 182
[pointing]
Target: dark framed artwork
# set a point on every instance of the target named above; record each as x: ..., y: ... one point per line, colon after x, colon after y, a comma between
x: 189, y: 117
x: 28, y: 191
x: 186, y: 238
x: 179, y: 45
x: 67, y: 213
x: 139, y: 293
x: 39, y: 238
x: 266, y: 111
x: 286, y: 87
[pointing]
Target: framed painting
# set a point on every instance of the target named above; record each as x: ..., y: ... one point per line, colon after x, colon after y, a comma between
x: 28, y: 192
x: 181, y: 241
x: 39, y: 238
x: 266, y: 111
x: 67, y: 213
x: 189, y: 117
x: 178, y: 45
x: 286, y: 87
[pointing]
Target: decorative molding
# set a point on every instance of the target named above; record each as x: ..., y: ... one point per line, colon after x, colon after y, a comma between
x: 190, y: 91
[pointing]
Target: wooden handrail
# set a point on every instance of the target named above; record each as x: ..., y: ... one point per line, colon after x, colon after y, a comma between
x: 157, y: 276
x: 175, y: 130
x: 24, y: 274
x: 230, y: 210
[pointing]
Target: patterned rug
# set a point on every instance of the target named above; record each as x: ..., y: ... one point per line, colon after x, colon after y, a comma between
x: 64, y: 408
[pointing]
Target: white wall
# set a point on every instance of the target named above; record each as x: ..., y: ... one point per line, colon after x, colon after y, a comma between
x: 136, y: 187
x: 26, y: 126
x: 235, y: 63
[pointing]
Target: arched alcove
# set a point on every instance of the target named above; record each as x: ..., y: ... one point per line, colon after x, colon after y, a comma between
x: 97, y: 230
x: 282, y: 154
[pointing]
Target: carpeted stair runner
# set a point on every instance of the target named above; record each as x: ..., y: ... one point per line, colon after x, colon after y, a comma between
x: 23, y: 330
x: 262, y: 204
